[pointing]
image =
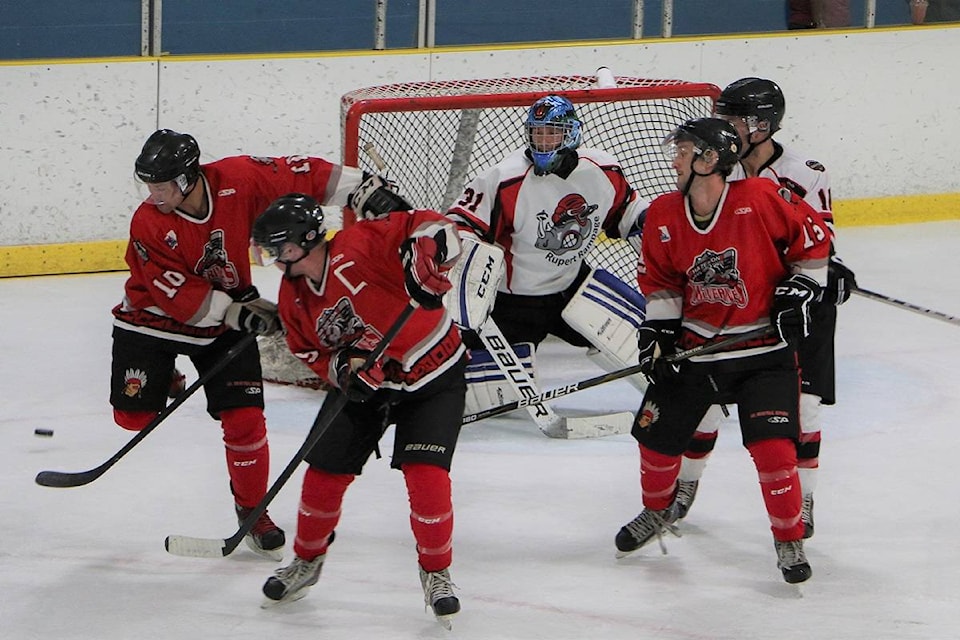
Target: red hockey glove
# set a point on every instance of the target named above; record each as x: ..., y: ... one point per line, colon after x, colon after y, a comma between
x: 425, y: 280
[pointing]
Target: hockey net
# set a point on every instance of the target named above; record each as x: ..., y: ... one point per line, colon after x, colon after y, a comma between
x: 431, y: 138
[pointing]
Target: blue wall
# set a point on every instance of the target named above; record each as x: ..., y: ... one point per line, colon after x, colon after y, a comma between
x: 70, y: 29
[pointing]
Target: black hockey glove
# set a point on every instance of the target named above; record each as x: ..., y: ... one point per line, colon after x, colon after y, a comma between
x: 790, y: 313
x: 425, y: 280
x: 657, y: 338
x: 375, y: 198
x: 841, y: 282
x: 251, y: 313
x: 357, y: 384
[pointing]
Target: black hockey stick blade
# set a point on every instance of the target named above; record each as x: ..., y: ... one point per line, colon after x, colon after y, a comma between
x: 553, y: 394
x: 65, y: 479
x: 221, y: 547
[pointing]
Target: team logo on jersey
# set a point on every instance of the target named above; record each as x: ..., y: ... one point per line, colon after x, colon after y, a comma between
x: 134, y: 380
x: 215, y: 266
x: 715, y: 279
x: 649, y: 414
x: 816, y: 166
x: 340, y: 326
x: 569, y: 228
x: 171, y: 239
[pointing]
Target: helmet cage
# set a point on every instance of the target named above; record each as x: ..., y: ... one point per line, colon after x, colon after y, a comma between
x: 551, y: 115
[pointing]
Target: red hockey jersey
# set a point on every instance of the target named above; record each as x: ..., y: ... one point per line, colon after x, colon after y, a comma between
x: 360, y: 297
x: 720, y: 280
x: 183, y: 270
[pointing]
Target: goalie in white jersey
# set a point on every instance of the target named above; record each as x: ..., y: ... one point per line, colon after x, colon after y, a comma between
x: 545, y: 205
x: 755, y: 107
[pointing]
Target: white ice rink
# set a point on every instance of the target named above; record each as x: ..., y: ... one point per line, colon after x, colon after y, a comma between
x: 535, y: 517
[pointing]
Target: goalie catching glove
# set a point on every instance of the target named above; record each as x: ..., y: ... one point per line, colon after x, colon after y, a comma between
x: 251, y: 313
x: 375, y: 198
x: 423, y: 259
x: 657, y: 338
x: 357, y: 384
x: 791, y: 307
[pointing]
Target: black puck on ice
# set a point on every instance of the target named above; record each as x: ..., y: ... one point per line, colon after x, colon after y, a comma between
x: 46, y: 433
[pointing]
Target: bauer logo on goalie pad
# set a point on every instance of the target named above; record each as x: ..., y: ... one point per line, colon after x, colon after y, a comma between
x: 475, y: 277
x: 487, y: 384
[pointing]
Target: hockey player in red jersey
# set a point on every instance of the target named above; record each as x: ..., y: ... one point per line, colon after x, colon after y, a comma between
x: 190, y: 292
x: 721, y: 259
x: 755, y: 107
x: 337, y: 299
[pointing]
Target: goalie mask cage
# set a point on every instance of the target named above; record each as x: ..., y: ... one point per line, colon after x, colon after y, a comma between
x: 434, y: 137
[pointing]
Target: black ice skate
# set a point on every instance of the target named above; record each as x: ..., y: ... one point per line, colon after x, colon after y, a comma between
x: 806, y: 516
x: 291, y: 583
x: 438, y: 595
x: 792, y: 561
x: 686, y: 494
x: 265, y: 538
x: 644, y: 527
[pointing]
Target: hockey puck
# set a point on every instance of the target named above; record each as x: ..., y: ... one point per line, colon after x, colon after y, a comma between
x: 46, y: 433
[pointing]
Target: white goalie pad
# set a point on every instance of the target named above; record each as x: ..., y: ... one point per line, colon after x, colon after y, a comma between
x: 608, y: 312
x: 475, y: 278
x: 487, y: 384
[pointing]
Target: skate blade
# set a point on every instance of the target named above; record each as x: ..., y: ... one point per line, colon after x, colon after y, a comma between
x: 270, y: 554
x: 446, y: 621
x: 269, y: 603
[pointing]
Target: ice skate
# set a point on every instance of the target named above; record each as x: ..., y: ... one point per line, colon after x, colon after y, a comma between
x: 792, y: 561
x: 265, y: 538
x: 806, y: 516
x: 291, y: 583
x: 438, y: 595
x: 686, y: 494
x: 644, y: 527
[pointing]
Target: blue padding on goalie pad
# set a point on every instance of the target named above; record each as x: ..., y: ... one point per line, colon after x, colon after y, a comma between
x: 615, y: 295
x: 482, y: 368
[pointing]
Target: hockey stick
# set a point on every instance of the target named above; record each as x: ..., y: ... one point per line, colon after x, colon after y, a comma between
x: 80, y: 478
x: 221, y: 547
x: 553, y: 394
x: 879, y: 297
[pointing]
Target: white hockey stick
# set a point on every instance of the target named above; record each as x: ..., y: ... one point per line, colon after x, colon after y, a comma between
x: 549, y: 422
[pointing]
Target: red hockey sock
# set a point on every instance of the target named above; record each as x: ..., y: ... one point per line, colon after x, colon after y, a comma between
x: 431, y: 514
x: 248, y: 454
x: 320, y: 502
x: 776, y: 462
x: 658, y: 478
x: 133, y: 420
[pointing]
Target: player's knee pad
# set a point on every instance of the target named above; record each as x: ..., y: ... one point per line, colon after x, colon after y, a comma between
x: 487, y: 384
x: 244, y: 428
x: 608, y: 312
x: 133, y: 420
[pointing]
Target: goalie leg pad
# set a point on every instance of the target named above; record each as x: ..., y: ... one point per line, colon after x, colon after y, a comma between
x: 608, y: 312
x: 487, y: 385
x: 475, y: 278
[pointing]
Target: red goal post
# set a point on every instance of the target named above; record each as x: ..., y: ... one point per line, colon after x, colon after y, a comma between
x: 433, y: 137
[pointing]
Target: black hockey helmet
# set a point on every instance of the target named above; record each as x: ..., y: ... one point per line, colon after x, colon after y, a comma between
x: 753, y: 97
x: 295, y: 218
x: 168, y: 155
x: 708, y: 135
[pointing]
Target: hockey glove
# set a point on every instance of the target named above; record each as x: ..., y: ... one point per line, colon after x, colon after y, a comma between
x: 790, y: 312
x: 251, y: 313
x: 375, y: 198
x: 357, y: 384
x: 425, y: 279
x: 840, y: 282
x: 655, y: 339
